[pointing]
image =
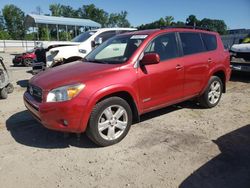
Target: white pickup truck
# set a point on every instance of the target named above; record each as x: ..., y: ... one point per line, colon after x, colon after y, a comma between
x: 240, y: 56
x: 55, y: 54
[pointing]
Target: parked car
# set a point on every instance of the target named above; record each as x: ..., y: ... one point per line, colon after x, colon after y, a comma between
x: 55, y: 55
x: 5, y: 86
x: 24, y: 59
x: 240, y: 55
x: 129, y: 75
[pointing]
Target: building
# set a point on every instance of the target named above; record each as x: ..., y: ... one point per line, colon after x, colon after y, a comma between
x: 59, y: 24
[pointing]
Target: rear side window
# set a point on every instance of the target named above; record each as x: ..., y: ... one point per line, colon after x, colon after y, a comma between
x: 210, y: 41
x: 191, y: 43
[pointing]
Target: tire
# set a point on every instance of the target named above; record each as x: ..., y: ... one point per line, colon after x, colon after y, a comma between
x: 212, y: 95
x: 105, y: 127
x: 10, y: 88
x: 27, y: 62
x: 4, y: 93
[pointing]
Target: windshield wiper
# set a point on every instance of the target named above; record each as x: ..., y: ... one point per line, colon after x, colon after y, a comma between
x: 96, y: 61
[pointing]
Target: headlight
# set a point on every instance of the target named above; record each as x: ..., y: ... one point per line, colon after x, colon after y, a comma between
x: 64, y: 93
x: 82, y: 51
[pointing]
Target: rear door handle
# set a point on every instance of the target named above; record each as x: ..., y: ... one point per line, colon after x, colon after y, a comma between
x: 178, y: 67
x: 209, y: 60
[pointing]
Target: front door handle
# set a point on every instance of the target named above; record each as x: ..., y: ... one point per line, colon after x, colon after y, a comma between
x: 178, y: 67
x: 209, y: 60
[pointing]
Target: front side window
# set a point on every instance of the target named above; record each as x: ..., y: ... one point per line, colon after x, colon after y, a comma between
x: 116, y: 50
x: 164, y: 45
x: 191, y: 43
x: 106, y: 35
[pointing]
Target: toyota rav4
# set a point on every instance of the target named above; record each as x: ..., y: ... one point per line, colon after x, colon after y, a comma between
x: 129, y: 75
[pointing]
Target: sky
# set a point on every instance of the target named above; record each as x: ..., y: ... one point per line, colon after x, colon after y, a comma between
x: 235, y: 13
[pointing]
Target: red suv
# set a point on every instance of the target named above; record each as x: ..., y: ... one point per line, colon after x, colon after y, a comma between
x: 126, y: 76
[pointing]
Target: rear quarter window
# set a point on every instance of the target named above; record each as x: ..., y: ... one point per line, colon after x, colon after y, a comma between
x: 191, y: 43
x: 209, y: 41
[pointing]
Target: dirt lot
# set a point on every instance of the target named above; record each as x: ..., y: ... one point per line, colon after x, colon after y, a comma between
x: 179, y: 146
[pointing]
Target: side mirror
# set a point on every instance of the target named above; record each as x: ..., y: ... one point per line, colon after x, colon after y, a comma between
x: 96, y: 42
x: 150, y: 59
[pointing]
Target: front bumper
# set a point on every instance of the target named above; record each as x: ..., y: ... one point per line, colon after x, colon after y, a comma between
x: 240, y: 64
x: 54, y: 115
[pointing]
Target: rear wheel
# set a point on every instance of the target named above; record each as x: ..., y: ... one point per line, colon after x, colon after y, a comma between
x: 212, y: 95
x: 27, y: 62
x: 4, y: 93
x: 110, y: 121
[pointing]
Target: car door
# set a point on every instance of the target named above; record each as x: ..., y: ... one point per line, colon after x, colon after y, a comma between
x: 196, y: 62
x: 162, y: 83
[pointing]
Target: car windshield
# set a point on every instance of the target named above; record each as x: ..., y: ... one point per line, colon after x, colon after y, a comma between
x: 84, y: 36
x: 116, y: 50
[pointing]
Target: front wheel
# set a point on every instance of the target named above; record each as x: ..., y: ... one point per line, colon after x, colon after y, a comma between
x: 27, y: 62
x: 110, y: 121
x: 212, y: 94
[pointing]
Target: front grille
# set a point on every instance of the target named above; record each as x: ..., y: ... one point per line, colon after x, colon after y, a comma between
x: 35, y: 92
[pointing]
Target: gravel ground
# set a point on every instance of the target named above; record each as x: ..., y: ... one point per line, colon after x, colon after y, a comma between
x: 179, y: 146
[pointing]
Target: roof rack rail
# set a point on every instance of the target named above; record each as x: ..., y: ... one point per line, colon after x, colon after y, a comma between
x: 186, y: 27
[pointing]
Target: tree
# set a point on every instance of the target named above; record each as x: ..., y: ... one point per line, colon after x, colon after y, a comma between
x: 192, y: 20
x: 118, y: 20
x: 214, y: 25
x: 1, y: 21
x: 169, y: 20
x: 179, y: 24
x: 68, y: 11
x: 94, y: 13
x: 55, y: 9
x: 14, y: 20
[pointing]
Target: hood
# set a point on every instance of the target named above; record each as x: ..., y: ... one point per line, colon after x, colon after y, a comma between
x: 245, y: 48
x: 46, y: 45
x: 76, y: 72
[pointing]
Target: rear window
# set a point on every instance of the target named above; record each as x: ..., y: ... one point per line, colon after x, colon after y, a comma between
x: 210, y: 41
x: 191, y: 43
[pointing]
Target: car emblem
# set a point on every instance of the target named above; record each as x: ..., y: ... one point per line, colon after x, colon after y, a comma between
x: 31, y: 90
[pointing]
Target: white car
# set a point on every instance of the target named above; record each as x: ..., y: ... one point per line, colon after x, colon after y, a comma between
x: 240, y: 56
x: 72, y: 51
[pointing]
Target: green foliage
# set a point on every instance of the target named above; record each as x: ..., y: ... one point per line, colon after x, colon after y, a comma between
x: 30, y: 36
x: 93, y: 13
x: 118, y: 20
x: 192, y: 20
x: 14, y: 19
x: 43, y: 33
x: 63, y: 10
x: 64, y: 36
x: 4, y: 35
x: 214, y: 25
x: 168, y: 21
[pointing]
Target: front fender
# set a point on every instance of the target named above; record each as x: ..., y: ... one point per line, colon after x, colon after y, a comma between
x: 100, y: 94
